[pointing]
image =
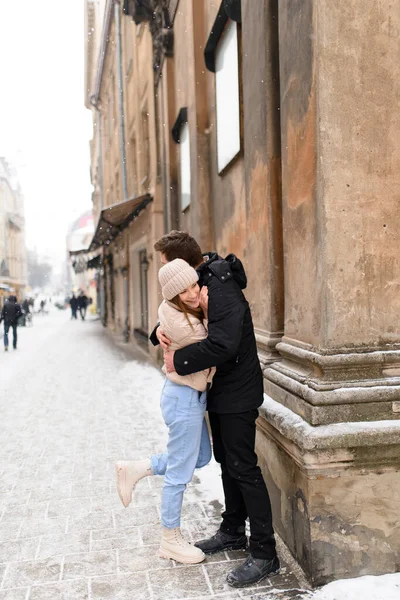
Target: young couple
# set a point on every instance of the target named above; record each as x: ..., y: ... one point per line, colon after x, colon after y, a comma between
x: 211, y: 363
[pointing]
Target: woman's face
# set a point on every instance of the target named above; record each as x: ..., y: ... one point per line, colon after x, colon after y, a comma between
x: 191, y: 296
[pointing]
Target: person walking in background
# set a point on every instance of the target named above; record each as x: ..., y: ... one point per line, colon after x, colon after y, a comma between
x: 10, y: 314
x: 183, y: 406
x: 42, y: 309
x: 26, y: 306
x: 26, y: 312
x: 82, y: 304
x: 73, y: 302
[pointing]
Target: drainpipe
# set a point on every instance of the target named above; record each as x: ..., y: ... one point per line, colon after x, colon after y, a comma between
x: 100, y: 282
x: 100, y: 157
x: 93, y: 102
x: 117, y: 14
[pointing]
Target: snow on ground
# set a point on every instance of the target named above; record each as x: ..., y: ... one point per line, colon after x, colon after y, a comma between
x: 385, y: 587
x: 72, y: 402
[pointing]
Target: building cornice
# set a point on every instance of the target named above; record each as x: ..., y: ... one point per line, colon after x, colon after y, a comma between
x: 156, y: 13
x: 105, y: 36
x: 90, y: 23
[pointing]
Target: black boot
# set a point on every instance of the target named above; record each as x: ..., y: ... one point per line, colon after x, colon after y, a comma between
x: 253, y: 570
x: 222, y: 541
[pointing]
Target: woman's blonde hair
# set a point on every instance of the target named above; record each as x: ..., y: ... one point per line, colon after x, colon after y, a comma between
x: 188, y: 310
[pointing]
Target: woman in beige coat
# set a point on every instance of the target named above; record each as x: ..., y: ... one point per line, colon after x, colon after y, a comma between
x: 183, y: 406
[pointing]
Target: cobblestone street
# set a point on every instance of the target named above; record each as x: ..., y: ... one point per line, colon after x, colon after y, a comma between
x: 72, y: 402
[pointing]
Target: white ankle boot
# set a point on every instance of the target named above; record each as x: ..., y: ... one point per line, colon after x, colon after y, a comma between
x: 128, y: 474
x: 174, y: 546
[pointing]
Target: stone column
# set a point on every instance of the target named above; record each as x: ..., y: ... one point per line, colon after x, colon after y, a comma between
x: 262, y: 171
x: 330, y: 442
x: 201, y: 226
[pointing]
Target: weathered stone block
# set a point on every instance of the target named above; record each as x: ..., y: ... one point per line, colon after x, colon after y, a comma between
x: 335, y: 492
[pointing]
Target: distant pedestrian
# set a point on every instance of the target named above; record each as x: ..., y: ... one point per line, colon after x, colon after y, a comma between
x: 83, y: 301
x: 73, y: 302
x: 10, y: 314
x: 26, y: 306
x: 26, y: 312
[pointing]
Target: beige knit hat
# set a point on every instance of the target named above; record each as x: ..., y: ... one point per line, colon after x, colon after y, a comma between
x: 175, y: 277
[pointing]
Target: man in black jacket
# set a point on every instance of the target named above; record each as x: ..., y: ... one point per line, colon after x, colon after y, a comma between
x: 232, y: 403
x: 73, y: 302
x: 10, y: 314
x: 82, y: 304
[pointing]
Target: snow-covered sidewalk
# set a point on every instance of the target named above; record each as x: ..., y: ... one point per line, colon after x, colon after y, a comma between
x: 72, y: 402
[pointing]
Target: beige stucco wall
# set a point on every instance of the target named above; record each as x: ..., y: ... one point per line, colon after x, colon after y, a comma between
x: 12, y: 231
x: 141, y: 168
x: 239, y: 210
x: 340, y: 104
x: 359, y: 175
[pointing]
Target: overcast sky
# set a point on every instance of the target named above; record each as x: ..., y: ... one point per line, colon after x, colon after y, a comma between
x: 44, y: 126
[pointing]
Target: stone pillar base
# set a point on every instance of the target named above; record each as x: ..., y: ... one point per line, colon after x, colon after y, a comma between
x: 338, y: 387
x: 335, y: 492
x: 266, y: 346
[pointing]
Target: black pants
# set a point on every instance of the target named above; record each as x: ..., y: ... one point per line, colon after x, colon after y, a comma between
x: 245, y: 491
x: 6, y: 330
x: 82, y: 311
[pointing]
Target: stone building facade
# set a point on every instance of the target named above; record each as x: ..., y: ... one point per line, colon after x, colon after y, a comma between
x: 271, y: 130
x: 126, y: 197
x: 13, y: 258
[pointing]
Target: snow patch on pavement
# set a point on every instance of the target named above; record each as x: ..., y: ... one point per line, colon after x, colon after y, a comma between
x: 383, y: 587
x: 210, y: 486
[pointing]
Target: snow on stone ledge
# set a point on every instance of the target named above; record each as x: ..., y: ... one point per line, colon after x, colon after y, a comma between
x: 336, y: 435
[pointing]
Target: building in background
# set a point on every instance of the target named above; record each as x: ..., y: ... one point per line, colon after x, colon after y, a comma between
x: 271, y: 130
x: 127, y: 200
x: 13, y: 257
x: 79, y: 276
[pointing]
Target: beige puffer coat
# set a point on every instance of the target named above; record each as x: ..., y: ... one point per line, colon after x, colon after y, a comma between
x: 174, y: 324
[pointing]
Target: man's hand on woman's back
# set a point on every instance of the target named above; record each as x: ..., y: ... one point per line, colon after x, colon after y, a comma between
x: 169, y: 361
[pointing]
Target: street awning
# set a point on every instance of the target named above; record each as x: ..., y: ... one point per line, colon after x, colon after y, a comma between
x: 79, y: 264
x: 82, y: 260
x: 114, y: 219
x: 95, y: 263
x: 78, y: 252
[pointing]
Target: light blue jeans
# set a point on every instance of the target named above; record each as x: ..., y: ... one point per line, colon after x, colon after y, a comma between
x: 188, y: 448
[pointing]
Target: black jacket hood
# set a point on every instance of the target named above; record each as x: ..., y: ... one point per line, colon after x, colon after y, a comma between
x: 223, y: 267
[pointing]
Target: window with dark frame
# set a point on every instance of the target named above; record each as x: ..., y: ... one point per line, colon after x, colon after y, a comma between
x: 181, y: 135
x: 146, y: 148
x: 222, y: 58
